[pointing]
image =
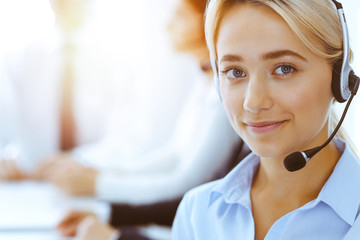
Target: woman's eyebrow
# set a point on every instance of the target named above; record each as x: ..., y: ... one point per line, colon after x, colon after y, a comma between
x: 282, y: 53
x: 231, y: 58
x: 266, y: 56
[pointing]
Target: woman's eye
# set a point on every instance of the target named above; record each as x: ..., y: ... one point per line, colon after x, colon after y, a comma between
x: 284, y: 70
x: 234, y: 73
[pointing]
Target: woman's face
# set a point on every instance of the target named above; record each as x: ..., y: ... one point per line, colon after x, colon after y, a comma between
x: 276, y: 92
x: 186, y: 29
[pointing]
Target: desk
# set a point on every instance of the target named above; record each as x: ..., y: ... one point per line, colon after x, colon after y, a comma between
x: 33, y: 235
x: 30, y: 210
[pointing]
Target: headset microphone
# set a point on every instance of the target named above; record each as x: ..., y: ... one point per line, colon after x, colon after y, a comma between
x: 297, y: 160
x: 344, y: 84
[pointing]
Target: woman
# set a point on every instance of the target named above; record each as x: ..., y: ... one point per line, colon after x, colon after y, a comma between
x: 202, y: 135
x: 275, y: 60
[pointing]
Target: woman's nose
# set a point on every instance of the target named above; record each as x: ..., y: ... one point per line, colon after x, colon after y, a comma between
x: 257, y: 96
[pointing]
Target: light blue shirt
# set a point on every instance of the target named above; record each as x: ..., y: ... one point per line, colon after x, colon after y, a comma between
x: 222, y: 209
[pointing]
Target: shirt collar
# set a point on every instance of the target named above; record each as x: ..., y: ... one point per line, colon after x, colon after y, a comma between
x: 238, y: 182
x: 341, y: 191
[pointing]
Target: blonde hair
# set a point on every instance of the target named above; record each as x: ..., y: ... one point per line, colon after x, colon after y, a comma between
x: 315, y: 22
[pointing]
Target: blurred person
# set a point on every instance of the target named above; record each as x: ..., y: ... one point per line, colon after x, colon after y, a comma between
x: 190, y: 143
x: 202, y: 148
x: 41, y: 79
x: 64, y: 97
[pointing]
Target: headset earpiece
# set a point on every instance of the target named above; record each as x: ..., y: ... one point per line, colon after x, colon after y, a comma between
x: 341, y: 76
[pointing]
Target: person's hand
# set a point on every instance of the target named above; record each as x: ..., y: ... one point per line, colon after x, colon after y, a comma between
x: 47, y: 166
x: 69, y: 176
x: 92, y: 229
x: 68, y: 226
x: 73, y: 178
x: 9, y: 171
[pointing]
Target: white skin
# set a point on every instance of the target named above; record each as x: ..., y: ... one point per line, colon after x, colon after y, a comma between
x: 185, y: 28
x: 9, y: 171
x: 277, y: 95
x: 70, y: 176
x: 187, y: 34
x: 86, y: 226
x: 92, y: 229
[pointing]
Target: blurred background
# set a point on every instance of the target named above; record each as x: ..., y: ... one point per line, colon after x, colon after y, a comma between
x: 132, y: 85
x: 123, y: 48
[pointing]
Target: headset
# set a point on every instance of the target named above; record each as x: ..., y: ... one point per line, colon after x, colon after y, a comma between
x: 343, y: 75
x: 344, y: 86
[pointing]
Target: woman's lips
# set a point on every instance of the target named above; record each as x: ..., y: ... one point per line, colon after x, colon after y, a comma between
x: 263, y: 127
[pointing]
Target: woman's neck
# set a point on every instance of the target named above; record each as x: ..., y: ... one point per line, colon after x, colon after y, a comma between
x: 276, y: 192
x: 300, y: 186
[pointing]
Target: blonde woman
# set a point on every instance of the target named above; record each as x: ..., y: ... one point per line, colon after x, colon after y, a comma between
x: 274, y: 60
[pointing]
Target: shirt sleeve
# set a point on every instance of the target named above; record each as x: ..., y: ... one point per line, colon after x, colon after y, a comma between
x: 182, y: 227
x: 202, y: 158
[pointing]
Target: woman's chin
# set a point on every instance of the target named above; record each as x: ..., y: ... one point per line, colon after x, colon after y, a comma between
x: 270, y: 152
